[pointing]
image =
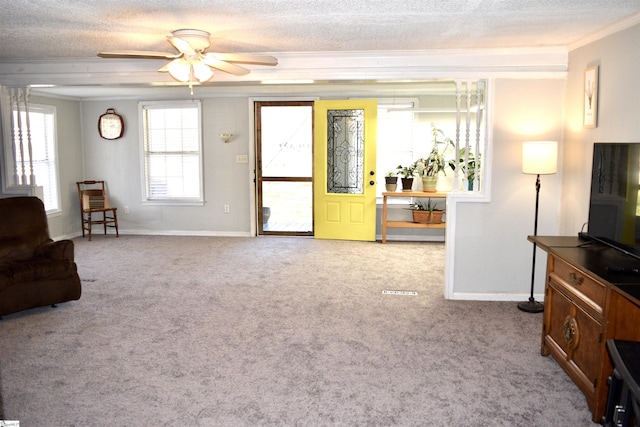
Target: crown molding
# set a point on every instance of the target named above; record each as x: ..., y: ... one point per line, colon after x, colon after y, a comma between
x: 318, y: 66
x: 620, y: 25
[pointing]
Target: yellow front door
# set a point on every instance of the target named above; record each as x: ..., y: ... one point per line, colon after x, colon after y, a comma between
x: 345, y: 169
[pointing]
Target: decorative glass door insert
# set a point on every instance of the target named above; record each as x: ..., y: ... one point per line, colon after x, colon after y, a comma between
x: 345, y: 151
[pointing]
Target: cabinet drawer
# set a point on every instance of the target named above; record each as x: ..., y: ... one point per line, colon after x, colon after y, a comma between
x: 584, y: 290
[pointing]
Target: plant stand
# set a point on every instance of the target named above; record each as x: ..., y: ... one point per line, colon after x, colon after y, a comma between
x: 407, y: 224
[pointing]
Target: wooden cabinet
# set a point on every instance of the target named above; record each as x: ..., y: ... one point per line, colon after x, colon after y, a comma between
x: 586, y: 305
x: 573, y: 323
x: 407, y: 224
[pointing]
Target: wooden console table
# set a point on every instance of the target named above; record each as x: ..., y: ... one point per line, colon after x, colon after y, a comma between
x: 592, y: 294
x: 407, y: 224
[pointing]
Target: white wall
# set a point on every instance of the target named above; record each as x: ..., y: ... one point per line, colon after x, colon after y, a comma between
x: 69, y: 125
x: 225, y: 181
x: 492, y: 255
x: 618, y: 58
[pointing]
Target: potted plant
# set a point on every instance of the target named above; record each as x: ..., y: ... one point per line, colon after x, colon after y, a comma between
x: 468, y: 165
x: 426, y: 213
x: 429, y: 167
x: 406, y: 176
x: 391, y: 181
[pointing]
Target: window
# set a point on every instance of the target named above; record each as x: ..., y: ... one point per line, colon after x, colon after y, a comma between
x: 172, y: 152
x: 405, y: 133
x: 41, y: 156
x: 395, y: 139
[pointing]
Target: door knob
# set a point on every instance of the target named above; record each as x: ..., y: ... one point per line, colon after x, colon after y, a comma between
x: 371, y: 182
x: 372, y: 173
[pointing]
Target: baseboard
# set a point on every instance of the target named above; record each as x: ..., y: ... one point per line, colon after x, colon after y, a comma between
x: 408, y: 238
x: 67, y: 236
x: 161, y: 233
x: 472, y: 296
x: 145, y: 232
x: 186, y: 233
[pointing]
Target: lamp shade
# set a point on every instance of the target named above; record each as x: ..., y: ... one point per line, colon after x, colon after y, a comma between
x: 540, y: 157
x: 202, y: 72
x: 180, y: 70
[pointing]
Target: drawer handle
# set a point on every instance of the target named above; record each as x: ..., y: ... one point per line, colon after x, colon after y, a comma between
x: 575, y: 280
x: 571, y: 332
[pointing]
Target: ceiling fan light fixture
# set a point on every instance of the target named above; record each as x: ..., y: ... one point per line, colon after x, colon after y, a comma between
x: 180, y: 70
x: 192, y: 64
x: 199, y: 40
x: 202, y: 72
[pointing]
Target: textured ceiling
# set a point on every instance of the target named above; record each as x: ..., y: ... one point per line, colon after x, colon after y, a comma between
x: 48, y: 29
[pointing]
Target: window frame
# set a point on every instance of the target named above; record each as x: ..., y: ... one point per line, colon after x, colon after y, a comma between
x: 51, y: 160
x: 384, y: 104
x: 178, y: 201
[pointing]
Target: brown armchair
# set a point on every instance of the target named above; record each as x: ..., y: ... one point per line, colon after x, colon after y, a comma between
x: 34, y: 270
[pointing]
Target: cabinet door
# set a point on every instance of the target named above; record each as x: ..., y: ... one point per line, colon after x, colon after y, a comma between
x: 573, y: 337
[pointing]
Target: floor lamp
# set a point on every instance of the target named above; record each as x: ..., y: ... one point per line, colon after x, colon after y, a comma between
x: 538, y: 158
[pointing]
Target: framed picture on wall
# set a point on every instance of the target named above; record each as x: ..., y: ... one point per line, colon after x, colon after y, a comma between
x: 591, y: 97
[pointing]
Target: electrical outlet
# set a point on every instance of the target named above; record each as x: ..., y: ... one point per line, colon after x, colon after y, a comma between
x: 126, y: 209
x: 226, y: 209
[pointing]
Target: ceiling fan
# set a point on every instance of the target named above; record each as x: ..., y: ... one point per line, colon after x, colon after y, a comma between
x: 192, y: 62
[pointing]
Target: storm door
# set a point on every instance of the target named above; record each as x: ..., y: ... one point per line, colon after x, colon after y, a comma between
x: 284, y: 167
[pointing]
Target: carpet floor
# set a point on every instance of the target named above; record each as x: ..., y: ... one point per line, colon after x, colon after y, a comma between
x: 276, y: 331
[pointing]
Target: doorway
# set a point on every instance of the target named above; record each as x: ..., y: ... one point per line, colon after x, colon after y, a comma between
x: 284, y: 167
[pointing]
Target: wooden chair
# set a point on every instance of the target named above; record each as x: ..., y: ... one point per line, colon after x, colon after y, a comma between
x: 94, y: 201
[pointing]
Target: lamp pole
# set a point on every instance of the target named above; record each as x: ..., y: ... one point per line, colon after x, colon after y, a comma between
x: 533, y: 306
x: 538, y: 158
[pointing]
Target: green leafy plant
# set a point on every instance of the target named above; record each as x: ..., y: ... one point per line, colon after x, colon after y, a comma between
x: 435, y: 162
x: 406, y: 171
x: 428, y: 206
x: 468, y: 164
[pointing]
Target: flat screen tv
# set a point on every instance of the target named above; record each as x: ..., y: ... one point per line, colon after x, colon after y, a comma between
x: 614, y: 206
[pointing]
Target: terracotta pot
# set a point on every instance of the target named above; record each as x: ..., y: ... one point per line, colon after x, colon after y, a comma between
x: 426, y: 217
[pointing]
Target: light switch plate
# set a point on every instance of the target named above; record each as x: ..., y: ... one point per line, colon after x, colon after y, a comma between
x: 242, y: 158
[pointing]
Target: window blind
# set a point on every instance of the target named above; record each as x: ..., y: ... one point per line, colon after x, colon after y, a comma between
x: 172, y: 151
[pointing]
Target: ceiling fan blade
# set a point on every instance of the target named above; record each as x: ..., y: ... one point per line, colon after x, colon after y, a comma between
x: 183, y: 46
x: 242, y: 58
x: 213, y: 62
x: 137, y: 54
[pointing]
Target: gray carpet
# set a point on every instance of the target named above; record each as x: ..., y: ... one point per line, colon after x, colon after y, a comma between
x: 204, y: 331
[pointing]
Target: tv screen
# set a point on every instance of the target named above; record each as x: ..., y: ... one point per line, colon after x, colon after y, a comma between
x: 614, y: 210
